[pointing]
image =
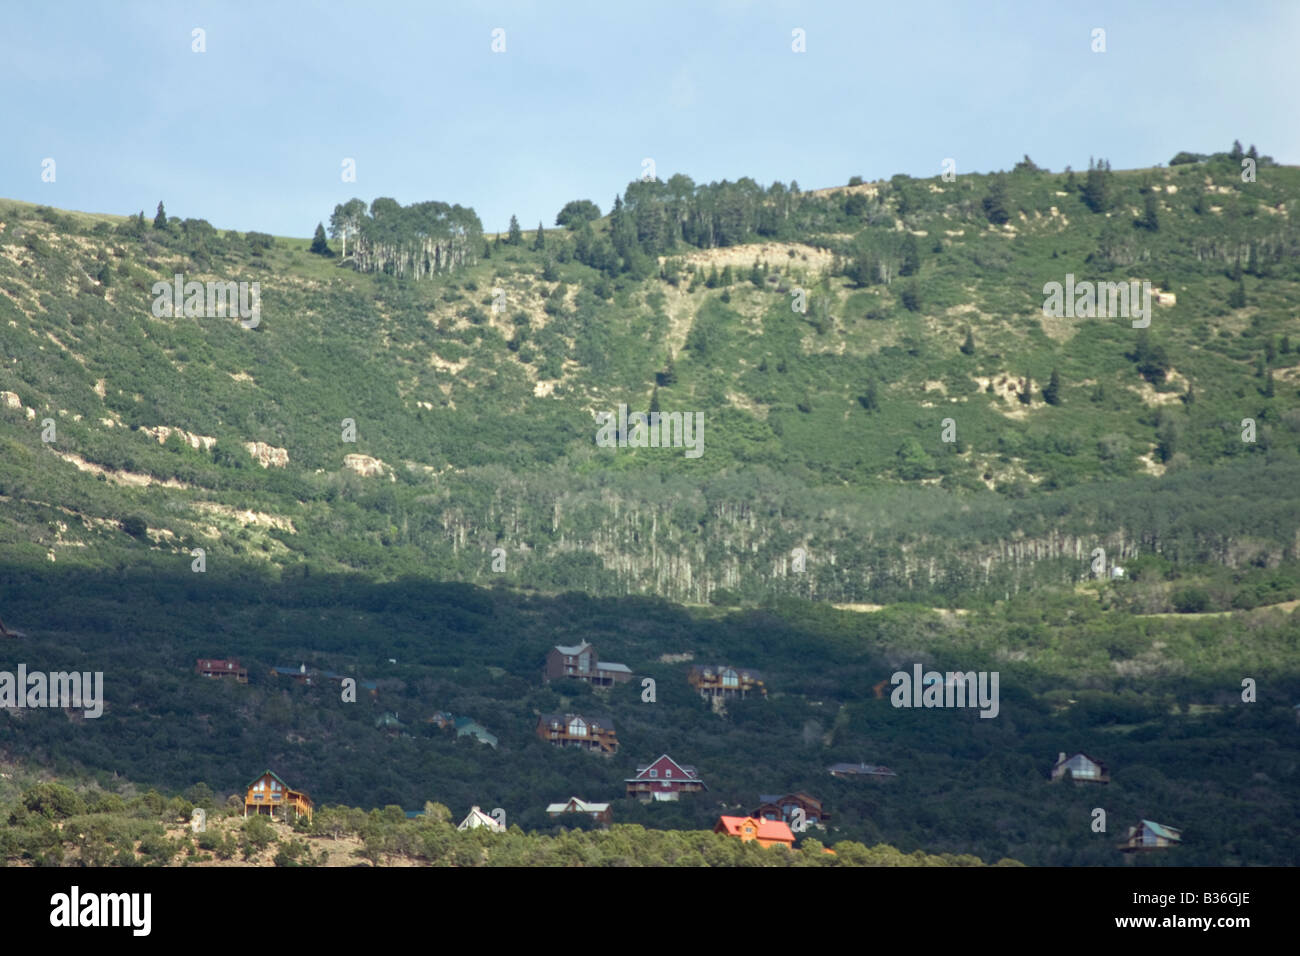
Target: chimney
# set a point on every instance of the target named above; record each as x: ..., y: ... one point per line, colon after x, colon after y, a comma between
x: 1061, y: 758
x: 302, y: 668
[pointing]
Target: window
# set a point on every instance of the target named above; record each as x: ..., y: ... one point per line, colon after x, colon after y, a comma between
x: 729, y: 679
x: 668, y: 773
x: 578, y: 728
x: 654, y: 774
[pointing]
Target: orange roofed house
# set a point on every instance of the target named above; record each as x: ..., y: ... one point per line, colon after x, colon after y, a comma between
x: 268, y: 792
x: 766, y: 832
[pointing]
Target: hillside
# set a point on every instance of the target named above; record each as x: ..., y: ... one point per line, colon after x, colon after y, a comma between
x: 473, y: 391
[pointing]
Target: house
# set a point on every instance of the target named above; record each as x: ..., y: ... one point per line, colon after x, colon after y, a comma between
x: 1081, y: 767
x: 664, y: 779
x: 442, y: 719
x: 1151, y: 836
x: 222, y: 669
x: 580, y: 661
x: 389, y: 722
x: 269, y: 791
x: 726, y: 682
x: 598, y: 812
x: 860, y: 771
x: 468, y: 727
x: 766, y: 832
x: 783, y: 807
x: 5, y: 632
x: 477, y: 818
x: 302, y: 675
x: 592, y: 734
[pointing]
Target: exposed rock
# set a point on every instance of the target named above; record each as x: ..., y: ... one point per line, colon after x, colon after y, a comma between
x: 11, y: 400
x: 364, y: 465
x: 162, y: 432
x: 267, y: 455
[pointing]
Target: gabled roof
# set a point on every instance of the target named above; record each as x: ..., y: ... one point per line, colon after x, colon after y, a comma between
x: 1169, y: 833
x: 263, y: 774
x: 575, y: 805
x: 1078, y: 753
x: 600, y: 723
x: 742, y: 672
x: 607, y: 666
x: 688, y: 772
x: 763, y: 829
x: 572, y: 650
x: 798, y: 795
x: 477, y: 817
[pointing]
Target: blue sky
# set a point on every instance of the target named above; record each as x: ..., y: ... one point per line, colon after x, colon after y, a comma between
x: 251, y: 134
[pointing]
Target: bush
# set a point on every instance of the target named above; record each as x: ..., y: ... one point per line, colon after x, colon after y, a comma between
x: 1190, y: 600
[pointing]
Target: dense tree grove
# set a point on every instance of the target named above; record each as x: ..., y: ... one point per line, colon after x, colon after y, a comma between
x: 419, y: 241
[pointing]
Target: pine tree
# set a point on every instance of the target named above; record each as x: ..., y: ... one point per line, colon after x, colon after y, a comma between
x: 756, y: 275
x: 1096, y: 187
x: 540, y: 242
x: 1236, y: 154
x: 654, y: 401
x: 318, y: 244
x: 487, y: 249
x: 516, y: 236
x: 1190, y: 396
x: 1285, y: 347
x: 1026, y: 394
x: 968, y: 347
x: 1260, y: 367
x: 911, y: 257
x: 160, y: 220
x: 1150, y: 213
x: 1052, y: 394
x: 1252, y: 263
x: 1237, y: 297
x: 1268, y: 385
x: 870, y: 400
x: 712, y: 282
x: 995, y: 203
x: 725, y: 278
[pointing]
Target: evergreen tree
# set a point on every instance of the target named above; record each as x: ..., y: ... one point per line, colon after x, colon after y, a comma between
x: 725, y: 278
x: 160, y: 220
x: 911, y: 296
x: 1189, y: 396
x: 1252, y: 263
x: 1237, y: 297
x: 1070, y: 184
x: 712, y: 282
x: 1150, y: 213
x: 1237, y: 154
x: 540, y: 242
x: 1260, y: 367
x: 1052, y: 394
x: 1096, y: 187
x: 1268, y: 384
x: 1026, y: 394
x: 1285, y: 347
x: 516, y: 236
x: 995, y: 203
x: 318, y: 244
x: 870, y: 399
x: 911, y: 257
x: 654, y: 400
x: 756, y: 275
x: 487, y: 249
x: 968, y: 347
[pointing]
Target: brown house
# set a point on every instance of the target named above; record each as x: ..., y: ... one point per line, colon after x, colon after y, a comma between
x: 592, y: 734
x: 222, y: 669
x: 783, y: 807
x: 268, y: 792
x: 580, y: 661
x: 726, y: 681
x: 599, y: 812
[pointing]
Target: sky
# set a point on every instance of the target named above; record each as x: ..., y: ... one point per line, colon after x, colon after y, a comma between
x: 253, y: 132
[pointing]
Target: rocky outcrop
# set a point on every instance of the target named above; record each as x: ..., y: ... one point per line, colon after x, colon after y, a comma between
x: 162, y: 432
x: 267, y: 455
x: 364, y: 465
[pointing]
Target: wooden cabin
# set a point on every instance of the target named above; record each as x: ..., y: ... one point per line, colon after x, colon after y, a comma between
x: 765, y: 832
x: 1151, y: 836
x: 592, y: 734
x: 581, y: 662
x: 664, y: 779
x: 228, y: 669
x: 726, y: 682
x: 783, y: 806
x: 1081, y: 767
x: 268, y: 792
x: 599, y: 812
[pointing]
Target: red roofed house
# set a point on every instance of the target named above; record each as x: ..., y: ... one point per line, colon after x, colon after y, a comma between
x: 766, y: 832
x: 663, y: 780
x: 214, y: 668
